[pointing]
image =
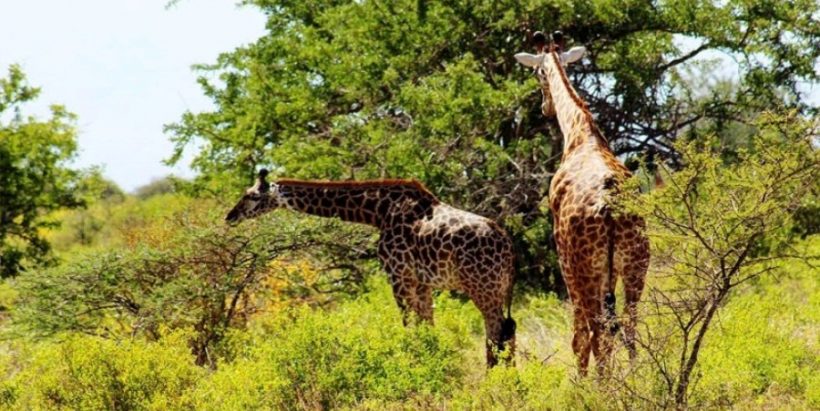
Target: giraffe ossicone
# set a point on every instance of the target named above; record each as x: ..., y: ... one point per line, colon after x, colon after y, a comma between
x: 424, y: 243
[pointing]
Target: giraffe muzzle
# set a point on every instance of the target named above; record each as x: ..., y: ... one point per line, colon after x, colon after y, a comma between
x: 233, y: 217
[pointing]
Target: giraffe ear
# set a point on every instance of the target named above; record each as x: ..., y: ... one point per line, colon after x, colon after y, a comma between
x: 572, y: 55
x: 529, y: 60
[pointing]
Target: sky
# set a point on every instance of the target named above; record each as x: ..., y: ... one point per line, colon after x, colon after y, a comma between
x: 124, y: 67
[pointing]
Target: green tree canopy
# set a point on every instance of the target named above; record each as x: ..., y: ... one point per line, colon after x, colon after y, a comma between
x: 357, y: 89
x: 35, y: 178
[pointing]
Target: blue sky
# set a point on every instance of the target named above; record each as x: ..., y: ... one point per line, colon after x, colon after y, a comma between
x: 123, y: 66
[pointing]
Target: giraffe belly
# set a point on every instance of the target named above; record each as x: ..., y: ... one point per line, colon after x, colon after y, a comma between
x: 440, y: 274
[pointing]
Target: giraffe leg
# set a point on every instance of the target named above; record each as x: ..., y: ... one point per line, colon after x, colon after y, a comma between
x: 424, y: 303
x: 492, y: 327
x: 602, y: 342
x: 633, y: 273
x: 633, y: 290
x: 402, y: 300
x: 581, y: 343
x: 500, y: 332
x: 404, y: 291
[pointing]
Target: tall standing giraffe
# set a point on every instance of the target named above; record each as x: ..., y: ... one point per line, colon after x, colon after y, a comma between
x: 424, y: 243
x: 595, y: 247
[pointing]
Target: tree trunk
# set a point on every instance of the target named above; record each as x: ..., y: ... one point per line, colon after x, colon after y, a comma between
x: 682, y: 389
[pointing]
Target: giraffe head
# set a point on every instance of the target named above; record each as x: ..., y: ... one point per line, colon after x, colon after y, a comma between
x: 259, y: 199
x: 541, y: 60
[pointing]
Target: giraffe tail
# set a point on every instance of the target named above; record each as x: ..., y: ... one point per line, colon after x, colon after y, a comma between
x: 508, y: 325
x: 609, y: 297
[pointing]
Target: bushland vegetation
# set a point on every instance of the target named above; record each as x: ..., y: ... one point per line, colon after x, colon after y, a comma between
x: 147, y: 300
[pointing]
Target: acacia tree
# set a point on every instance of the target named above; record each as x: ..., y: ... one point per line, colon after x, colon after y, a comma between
x: 35, y: 178
x: 185, y: 271
x: 358, y: 89
x: 717, y: 224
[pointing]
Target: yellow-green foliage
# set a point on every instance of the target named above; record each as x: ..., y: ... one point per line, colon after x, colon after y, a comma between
x: 531, y: 386
x: 90, y: 373
x: 765, y: 347
x: 301, y: 358
x: 314, y: 359
x: 355, y: 354
x: 111, y: 222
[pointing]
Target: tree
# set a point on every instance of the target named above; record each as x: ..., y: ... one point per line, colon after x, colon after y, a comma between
x: 720, y: 223
x: 35, y: 177
x: 92, y: 224
x: 189, y: 270
x: 358, y: 89
x: 157, y: 186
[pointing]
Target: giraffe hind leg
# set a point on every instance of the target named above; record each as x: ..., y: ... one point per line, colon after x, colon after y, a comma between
x: 581, y: 341
x: 633, y: 292
x: 508, y: 327
x: 492, y: 327
x: 500, y: 331
x: 500, y: 336
x: 602, y: 343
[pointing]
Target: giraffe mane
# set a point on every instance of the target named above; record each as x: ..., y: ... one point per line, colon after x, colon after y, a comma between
x: 575, y: 97
x: 390, y: 182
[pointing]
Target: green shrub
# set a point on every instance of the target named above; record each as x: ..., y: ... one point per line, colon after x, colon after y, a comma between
x: 91, y: 373
x: 760, y: 350
x: 180, y: 266
x: 313, y: 358
x: 531, y: 386
x: 356, y: 354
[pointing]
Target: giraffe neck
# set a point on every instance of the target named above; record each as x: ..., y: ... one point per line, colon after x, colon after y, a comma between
x: 575, y: 121
x: 365, y: 202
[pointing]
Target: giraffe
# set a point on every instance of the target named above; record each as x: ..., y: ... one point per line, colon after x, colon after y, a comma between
x: 424, y: 243
x: 595, y: 246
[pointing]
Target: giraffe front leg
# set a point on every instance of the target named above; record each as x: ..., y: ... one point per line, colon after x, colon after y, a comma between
x: 424, y: 303
x: 405, y: 295
x: 404, y: 292
x: 401, y: 302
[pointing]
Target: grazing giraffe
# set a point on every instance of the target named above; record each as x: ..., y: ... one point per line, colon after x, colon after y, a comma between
x: 424, y: 243
x: 595, y: 247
